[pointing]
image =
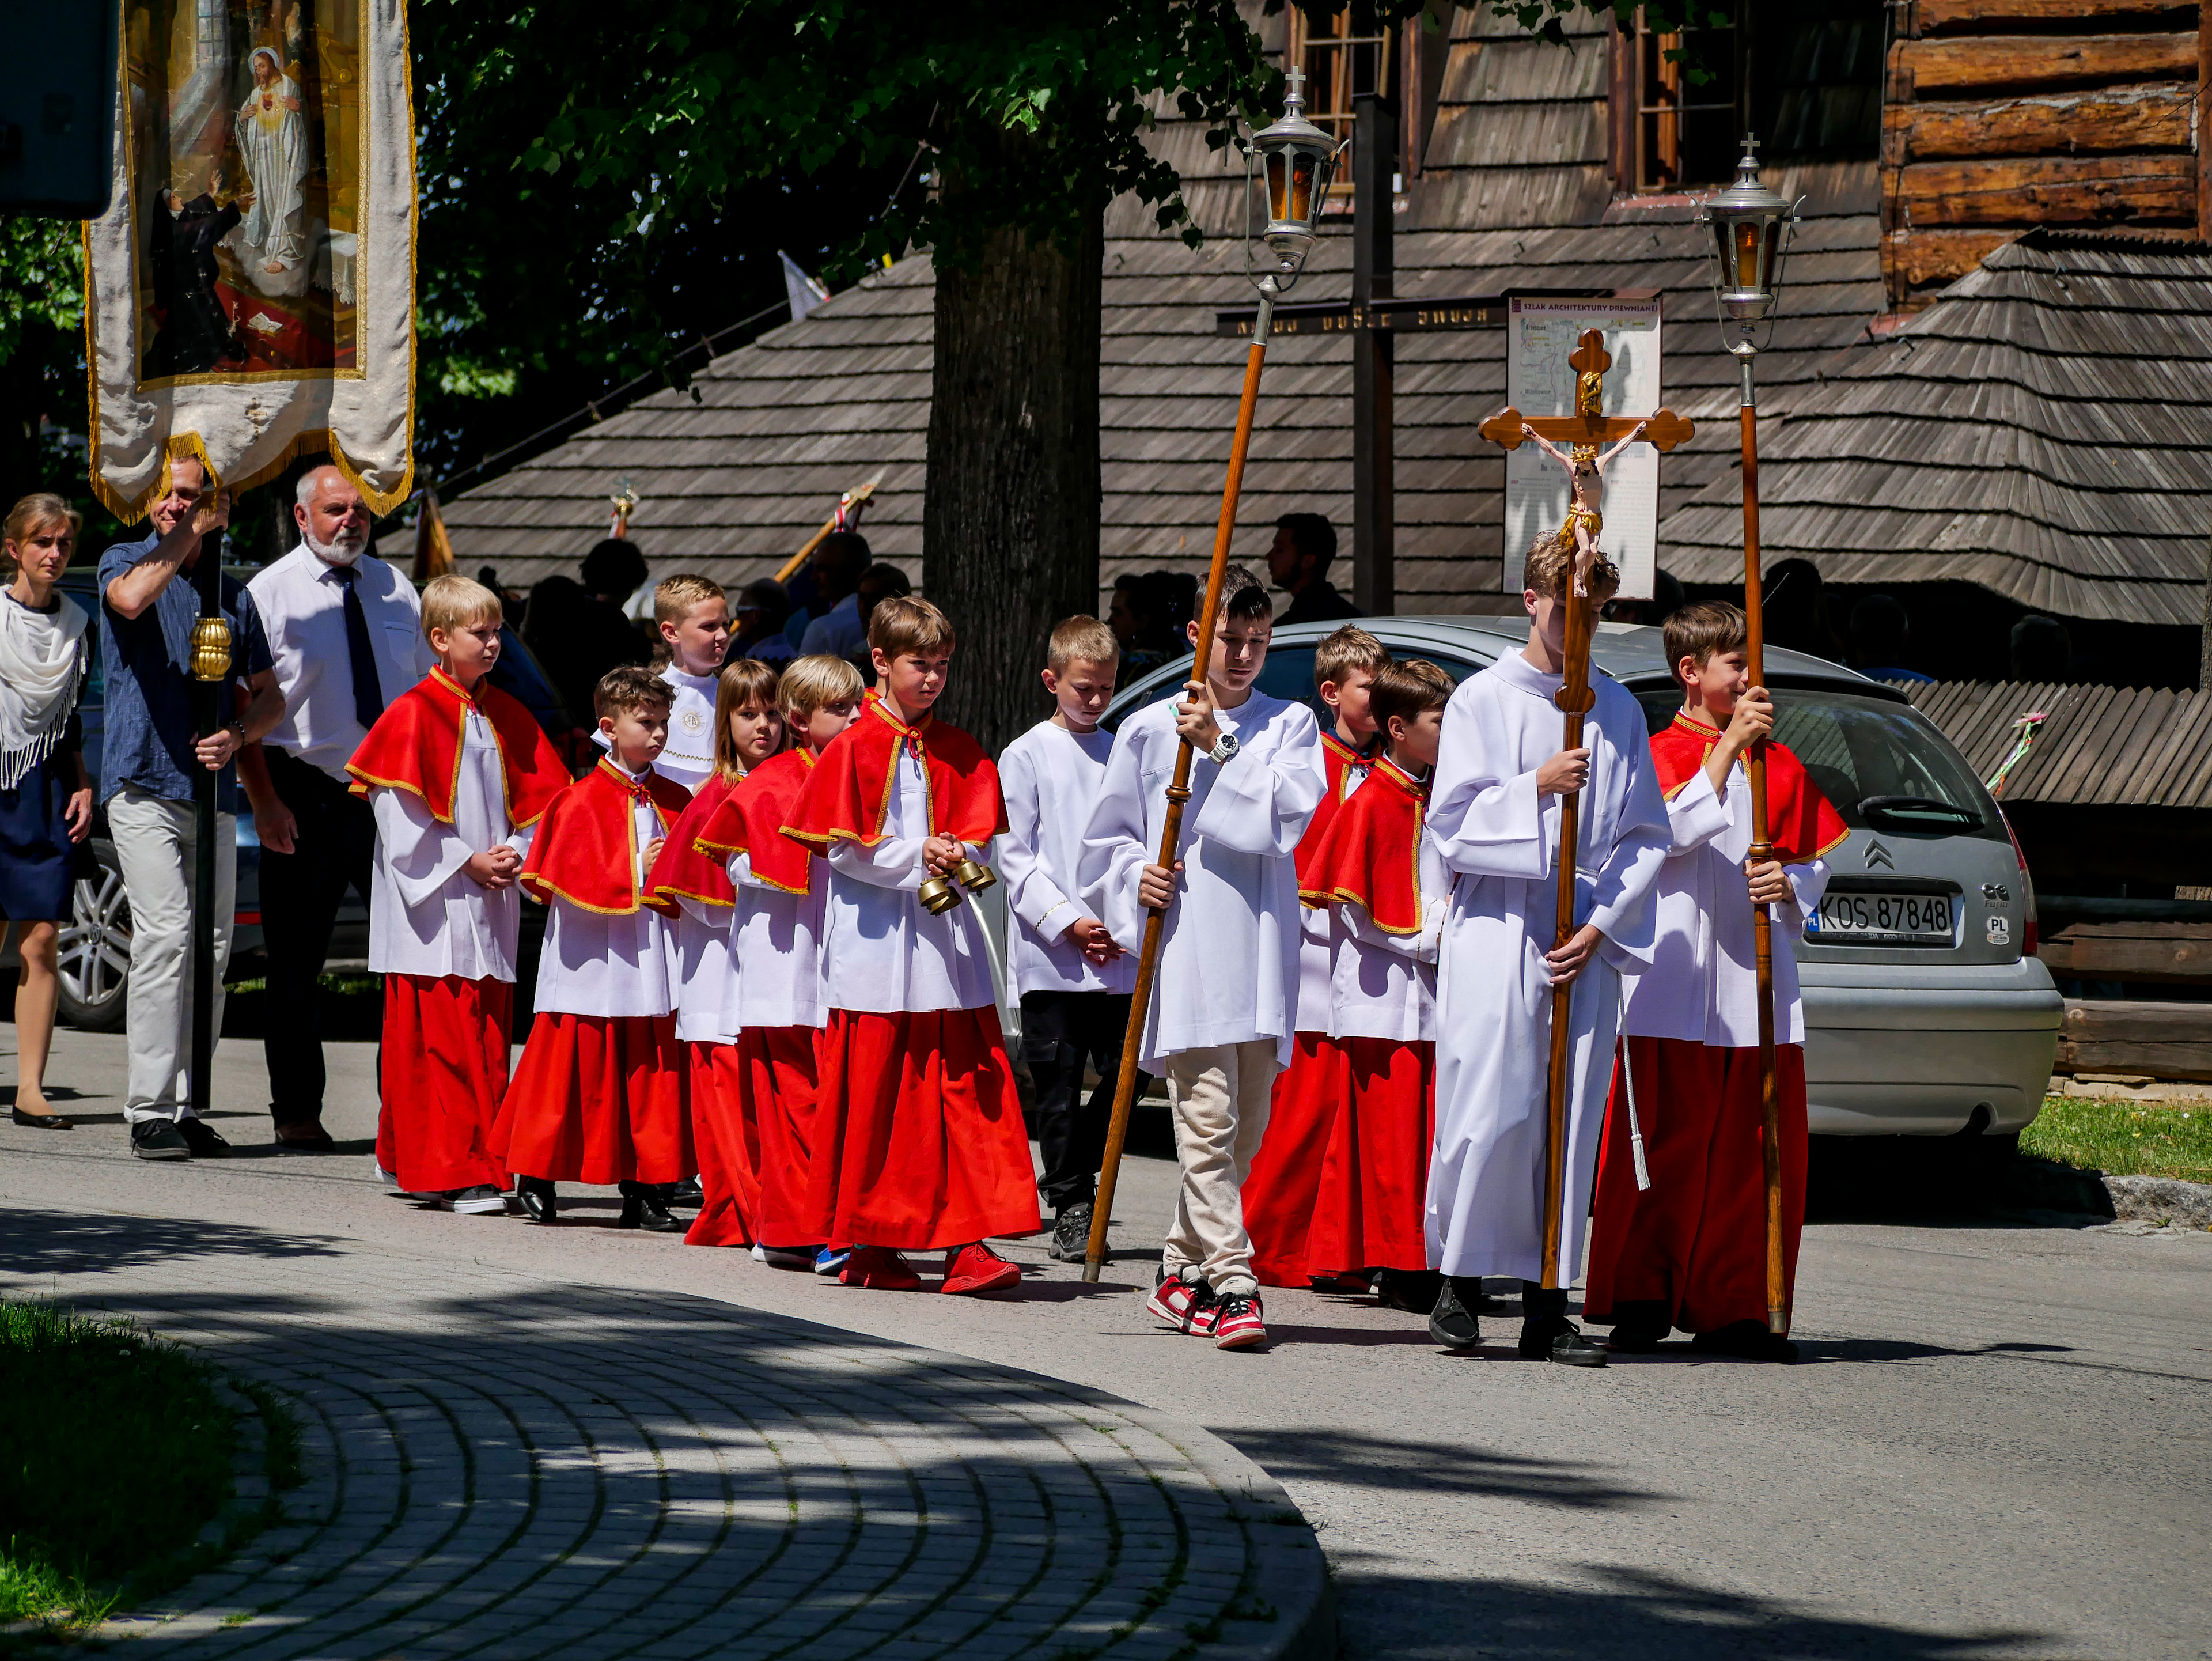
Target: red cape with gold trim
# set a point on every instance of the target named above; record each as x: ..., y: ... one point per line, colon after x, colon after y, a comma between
x: 749, y: 820
x: 683, y: 872
x: 415, y: 746
x: 1337, y: 758
x: 1372, y: 854
x: 586, y: 852
x: 1801, y: 824
x: 849, y: 796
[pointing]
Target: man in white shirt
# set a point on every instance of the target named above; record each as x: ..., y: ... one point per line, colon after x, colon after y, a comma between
x: 345, y: 631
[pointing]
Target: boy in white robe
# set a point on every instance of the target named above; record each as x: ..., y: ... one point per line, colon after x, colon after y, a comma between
x: 1494, y: 811
x: 1225, y: 1000
x: 693, y: 616
x: 458, y: 775
x: 1073, y: 981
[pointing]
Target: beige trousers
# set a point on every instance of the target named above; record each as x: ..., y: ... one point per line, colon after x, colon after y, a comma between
x: 1219, y: 1097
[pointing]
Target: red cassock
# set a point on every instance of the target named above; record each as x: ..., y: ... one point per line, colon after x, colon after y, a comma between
x: 686, y: 872
x: 763, y: 1105
x: 1340, y: 1178
x: 598, y: 1098
x: 918, y: 1134
x: 1337, y: 759
x: 1691, y: 1249
x: 445, y: 1038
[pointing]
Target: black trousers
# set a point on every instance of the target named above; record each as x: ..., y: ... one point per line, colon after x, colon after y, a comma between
x: 1060, y: 1033
x: 333, y: 849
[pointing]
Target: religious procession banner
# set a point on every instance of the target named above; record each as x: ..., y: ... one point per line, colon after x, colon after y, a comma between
x: 250, y: 289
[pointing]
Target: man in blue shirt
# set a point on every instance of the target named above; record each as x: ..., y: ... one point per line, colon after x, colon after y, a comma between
x: 148, y: 755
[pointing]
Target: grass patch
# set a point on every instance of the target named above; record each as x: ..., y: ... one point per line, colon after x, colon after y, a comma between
x: 2123, y: 1139
x: 114, y: 1452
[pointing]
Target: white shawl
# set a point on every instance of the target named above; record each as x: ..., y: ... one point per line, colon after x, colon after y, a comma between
x: 42, y: 661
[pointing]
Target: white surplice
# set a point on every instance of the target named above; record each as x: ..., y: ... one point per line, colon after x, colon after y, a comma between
x: 1051, y: 777
x: 701, y: 941
x: 425, y: 915
x: 1484, y: 1211
x: 1384, y: 985
x: 688, y: 756
x: 1318, y: 931
x: 1702, y: 984
x: 1228, y: 949
x: 775, y: 955
x: 610, y: 966
x: 881, y: 952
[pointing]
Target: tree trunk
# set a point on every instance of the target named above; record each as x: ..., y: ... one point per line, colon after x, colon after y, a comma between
x: 1010, y: 518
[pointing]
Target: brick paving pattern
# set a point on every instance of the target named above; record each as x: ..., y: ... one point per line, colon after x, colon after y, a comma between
x: 501, y: 1467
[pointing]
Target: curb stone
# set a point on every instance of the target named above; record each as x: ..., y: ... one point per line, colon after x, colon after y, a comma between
x: 2160, y: 1200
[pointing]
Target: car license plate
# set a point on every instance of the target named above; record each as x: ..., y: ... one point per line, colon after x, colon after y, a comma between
x: 1883, y: 919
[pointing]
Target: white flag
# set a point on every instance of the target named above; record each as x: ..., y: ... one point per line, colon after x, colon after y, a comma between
x: 807, y: 293
x: 250, y: 289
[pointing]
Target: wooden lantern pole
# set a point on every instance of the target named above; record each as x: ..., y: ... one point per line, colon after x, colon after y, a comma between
x: 847, y: 504
x: 1587, y: 429
x: 1148, y: 954
x: 1761, y: 850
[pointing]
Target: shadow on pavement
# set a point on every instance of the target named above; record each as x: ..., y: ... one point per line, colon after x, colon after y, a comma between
x: 1629, y: 1616
x: 39, y: 1242
x: 1318, y: 1453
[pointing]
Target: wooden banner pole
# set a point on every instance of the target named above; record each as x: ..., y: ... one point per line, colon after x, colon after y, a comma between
x: 1148, y: 954
x: 1574, y: 698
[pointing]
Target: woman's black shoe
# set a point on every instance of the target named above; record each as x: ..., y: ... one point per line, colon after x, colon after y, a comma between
x: 1748, y: 1341
x: 43, y: 1121
x: 687, y: 1192
x: 536, y: 1194
x: 644, y: 1205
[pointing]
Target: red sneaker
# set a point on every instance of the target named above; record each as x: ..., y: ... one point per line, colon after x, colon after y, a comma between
x: 881, y: 1270
x: 1237, y: 1323
x: 976, y: 1268
x: 1173, y: 1299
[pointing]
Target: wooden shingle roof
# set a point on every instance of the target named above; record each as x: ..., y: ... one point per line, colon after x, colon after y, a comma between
x: 2102, y: 745
x: 2041, y: 430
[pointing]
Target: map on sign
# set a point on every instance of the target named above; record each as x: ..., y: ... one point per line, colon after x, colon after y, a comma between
x: 1541, y: 334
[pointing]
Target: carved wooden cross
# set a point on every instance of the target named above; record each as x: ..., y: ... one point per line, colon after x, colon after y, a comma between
x: 1586, y: 425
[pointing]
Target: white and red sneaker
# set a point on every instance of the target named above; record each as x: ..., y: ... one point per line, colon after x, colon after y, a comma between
x: 976, y: 1268
x: 1237, y: 1323
x: 1174, y: 1298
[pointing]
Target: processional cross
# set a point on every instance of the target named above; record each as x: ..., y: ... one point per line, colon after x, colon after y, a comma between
x: 1586, y: 433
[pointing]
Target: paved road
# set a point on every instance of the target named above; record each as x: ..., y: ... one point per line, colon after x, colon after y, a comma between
x: 1996, y: 1447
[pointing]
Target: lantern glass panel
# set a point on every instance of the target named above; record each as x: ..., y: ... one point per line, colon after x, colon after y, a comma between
x: 1747, y: 255
x: 1276, y: 164
x: 1302, y: 188
x: 1774, y: 253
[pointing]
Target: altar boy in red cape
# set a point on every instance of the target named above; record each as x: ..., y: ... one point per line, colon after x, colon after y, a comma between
x: 1679, y: 1229
x: 599, y: 1094
x: 918, y: 1144
x: 458, y: 775
x: 1346, y: 1201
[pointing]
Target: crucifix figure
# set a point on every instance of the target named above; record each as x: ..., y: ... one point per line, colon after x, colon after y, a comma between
x: 1584, y: 432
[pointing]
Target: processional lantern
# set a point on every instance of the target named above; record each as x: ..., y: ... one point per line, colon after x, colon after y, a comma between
x: 1291, y: 162
x: 1751, y: 226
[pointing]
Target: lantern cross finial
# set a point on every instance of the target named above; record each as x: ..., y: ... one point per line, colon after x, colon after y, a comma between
x: 1750, y: 144
x: 1294, y: 99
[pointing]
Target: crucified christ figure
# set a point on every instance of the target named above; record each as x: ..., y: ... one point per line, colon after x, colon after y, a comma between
x: 1585, y: 466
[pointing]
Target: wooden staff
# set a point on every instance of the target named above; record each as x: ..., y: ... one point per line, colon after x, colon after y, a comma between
x: 1761, y: 850
x: 1148, y: 954
x: 1575, y: 699
x: 851, y: 500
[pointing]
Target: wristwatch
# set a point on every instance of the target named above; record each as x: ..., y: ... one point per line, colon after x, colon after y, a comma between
x: 1224, y: 749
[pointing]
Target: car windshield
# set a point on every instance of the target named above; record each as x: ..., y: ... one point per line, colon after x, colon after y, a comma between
x: 1880, y: 763
x: 1288, y: 674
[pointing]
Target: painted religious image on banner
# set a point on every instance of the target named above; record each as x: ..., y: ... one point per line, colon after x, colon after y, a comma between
x: 246, y: 174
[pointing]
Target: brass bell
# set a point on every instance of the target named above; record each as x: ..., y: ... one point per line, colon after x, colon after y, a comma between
x: 974, y: 876
x: 939, y: 895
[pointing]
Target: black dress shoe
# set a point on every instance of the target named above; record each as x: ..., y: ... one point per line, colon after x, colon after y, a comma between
x: 1546, y: 1333
x: 538, y: 1204
x: 304, y: 1136
x: 1748, y: 1341
x: 644, y: 1205
x: 1414, y: 1290
x: 1639, y: 1325
x: 687, y: 1192
x: 159, y: 1139
x: 1451, y: 1323
x: 43, y: 1121
x: 200, y: 1136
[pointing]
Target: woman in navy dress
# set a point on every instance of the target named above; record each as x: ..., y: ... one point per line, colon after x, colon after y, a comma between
x: 45, y: 800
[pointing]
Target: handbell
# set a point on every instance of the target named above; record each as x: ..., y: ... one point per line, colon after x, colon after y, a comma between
x: 974, y: 876
x: 939, y: 895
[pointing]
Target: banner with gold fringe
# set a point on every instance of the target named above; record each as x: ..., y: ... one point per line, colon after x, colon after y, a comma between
x: 250, y: 292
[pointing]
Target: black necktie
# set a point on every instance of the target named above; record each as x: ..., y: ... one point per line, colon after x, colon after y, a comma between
x: 368, y: 695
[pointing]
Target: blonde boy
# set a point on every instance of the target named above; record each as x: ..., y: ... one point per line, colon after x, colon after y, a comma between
x: 458, y: 774
x: 1073, y: 981
x: 693, y: 616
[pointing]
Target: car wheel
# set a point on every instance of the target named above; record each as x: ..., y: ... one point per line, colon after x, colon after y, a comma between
x: 95, y: 947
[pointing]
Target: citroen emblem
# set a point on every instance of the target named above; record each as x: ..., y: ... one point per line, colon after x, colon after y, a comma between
x: 1878, y: 859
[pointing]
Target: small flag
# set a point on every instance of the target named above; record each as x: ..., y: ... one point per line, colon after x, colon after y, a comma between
x: 805, y: 292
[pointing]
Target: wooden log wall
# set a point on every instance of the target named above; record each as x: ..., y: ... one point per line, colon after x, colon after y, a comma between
x: 2002, y: 114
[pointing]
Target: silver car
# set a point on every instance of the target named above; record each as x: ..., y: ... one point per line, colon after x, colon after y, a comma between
x: 1927, y: 1012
